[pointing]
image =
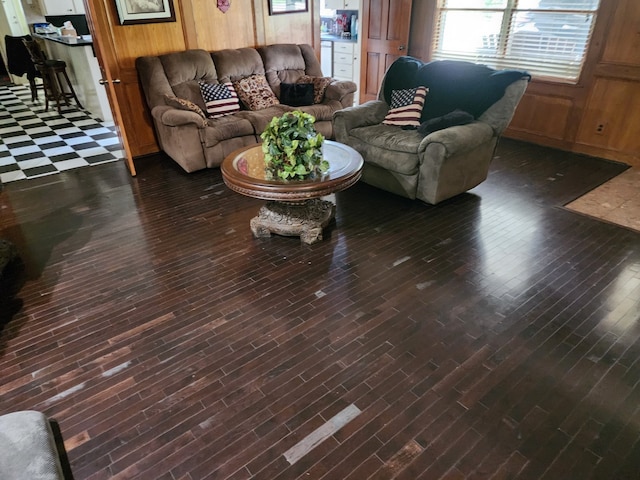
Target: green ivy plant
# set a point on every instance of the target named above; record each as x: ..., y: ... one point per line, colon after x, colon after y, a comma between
x: 292, y: 148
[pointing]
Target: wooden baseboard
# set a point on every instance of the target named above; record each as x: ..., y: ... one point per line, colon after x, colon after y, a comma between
x: 617, y: 156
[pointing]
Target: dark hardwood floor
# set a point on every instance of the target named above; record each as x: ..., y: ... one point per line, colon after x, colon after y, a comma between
x: 494, y: 336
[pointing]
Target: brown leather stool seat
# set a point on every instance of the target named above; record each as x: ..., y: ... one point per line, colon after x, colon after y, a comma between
x: 57, y: 86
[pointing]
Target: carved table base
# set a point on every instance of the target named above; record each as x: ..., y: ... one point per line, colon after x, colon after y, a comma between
x: 305, y: 219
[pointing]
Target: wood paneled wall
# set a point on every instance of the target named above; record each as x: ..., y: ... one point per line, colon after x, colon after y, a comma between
x: 199, y: 24
x: 130, y: 42
x: 600, y: 115
x: 610, y: 125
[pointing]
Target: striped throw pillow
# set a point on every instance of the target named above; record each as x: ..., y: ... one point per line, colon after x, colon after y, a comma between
x: 406, y: 107
x: 220, y: 99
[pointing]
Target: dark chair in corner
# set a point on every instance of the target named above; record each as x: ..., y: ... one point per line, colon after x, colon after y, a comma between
x: 435, y: 166
x: 19, y: 62
x: 57, y: 86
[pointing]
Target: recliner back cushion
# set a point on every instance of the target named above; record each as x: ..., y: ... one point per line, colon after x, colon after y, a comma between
x: 452, y: 84
x: 233, y: 65
x: 283, y: 63
x: 462, y: 85
x: 184, y: 71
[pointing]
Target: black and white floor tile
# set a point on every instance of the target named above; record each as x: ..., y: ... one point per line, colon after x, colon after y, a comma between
x: 34, y: 143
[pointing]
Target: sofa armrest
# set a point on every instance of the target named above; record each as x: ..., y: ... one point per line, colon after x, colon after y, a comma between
x: 458, y: 139
x: 369, y: 113
x: 342, y: 91
x: 174, y: 117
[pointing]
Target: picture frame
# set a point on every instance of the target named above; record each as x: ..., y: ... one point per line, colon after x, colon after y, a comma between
x: 279, y: 7
x: 133, y: 12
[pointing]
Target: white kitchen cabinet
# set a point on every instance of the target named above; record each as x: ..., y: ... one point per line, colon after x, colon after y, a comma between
x: 343, y: 59
x: 341, y: 4
x: 63, y: 7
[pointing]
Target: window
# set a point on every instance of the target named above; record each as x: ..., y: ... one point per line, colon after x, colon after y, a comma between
x: 287, y: 6
x: 548, y: 38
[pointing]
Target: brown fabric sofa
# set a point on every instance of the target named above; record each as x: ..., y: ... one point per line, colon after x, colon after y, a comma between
x: 196, y: 143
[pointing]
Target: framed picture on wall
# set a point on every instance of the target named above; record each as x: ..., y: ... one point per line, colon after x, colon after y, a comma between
x: 277, y: 7
x: 131, y: 12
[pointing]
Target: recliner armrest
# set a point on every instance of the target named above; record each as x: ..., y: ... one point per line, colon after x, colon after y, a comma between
x: 369, y: 113
x: 458, y: 139
x: 339, y: 90
x: 174, y: 117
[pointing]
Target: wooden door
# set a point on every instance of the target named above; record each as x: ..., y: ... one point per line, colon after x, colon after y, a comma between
x: 97, y: 19
x: 16, y: 21
x: 385, y: 37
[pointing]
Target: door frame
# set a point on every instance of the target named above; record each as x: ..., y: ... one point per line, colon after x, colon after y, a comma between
x: 96, y: 12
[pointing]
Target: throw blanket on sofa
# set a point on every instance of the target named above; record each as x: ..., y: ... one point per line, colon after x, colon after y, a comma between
x: 453, y: 85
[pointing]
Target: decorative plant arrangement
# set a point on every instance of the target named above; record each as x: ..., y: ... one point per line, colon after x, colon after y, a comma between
x: 292, y: 148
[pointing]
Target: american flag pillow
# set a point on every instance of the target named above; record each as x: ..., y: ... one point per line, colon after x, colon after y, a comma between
x: 406, y: 107
x: 220, y: 99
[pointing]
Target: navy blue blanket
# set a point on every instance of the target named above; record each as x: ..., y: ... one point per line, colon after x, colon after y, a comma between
x: 453, y: 85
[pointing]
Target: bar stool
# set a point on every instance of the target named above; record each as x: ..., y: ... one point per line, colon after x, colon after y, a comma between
x: 54, y: 73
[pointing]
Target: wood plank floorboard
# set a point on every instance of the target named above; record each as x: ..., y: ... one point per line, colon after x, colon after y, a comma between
x: 494, y: 336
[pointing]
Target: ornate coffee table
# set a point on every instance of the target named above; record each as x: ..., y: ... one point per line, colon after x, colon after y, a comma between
x: 294, y: 208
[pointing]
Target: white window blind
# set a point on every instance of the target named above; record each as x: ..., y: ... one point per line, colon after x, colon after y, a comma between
x: 548, y: 38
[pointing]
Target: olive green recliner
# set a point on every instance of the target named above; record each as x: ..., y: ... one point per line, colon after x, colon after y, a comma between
x: 449, y: 161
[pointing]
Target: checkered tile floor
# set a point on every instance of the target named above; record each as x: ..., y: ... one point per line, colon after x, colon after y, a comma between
x: 34, y: 143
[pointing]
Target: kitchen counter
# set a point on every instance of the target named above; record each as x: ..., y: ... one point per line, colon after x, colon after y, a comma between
x: 83, y: 70
x: 337, y: 38
x: 64, y: 39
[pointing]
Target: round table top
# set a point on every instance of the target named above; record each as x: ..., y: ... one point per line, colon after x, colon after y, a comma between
x: 243, y: 172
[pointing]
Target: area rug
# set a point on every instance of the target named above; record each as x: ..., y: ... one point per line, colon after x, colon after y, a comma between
x: 616, y: 201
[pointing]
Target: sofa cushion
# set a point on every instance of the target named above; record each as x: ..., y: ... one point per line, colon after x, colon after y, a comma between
x: 261, y: 118
x: 320, y: 85
x: 296, y: 94
x: 235, y: 64
x: 406, y: 107
x: 388, y: 147
x: 224, y: 128
x: 283, y: 63
x: 255, y: 92
x: 220, y: 99
x: 184, y: 71
x: 457, y: 117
